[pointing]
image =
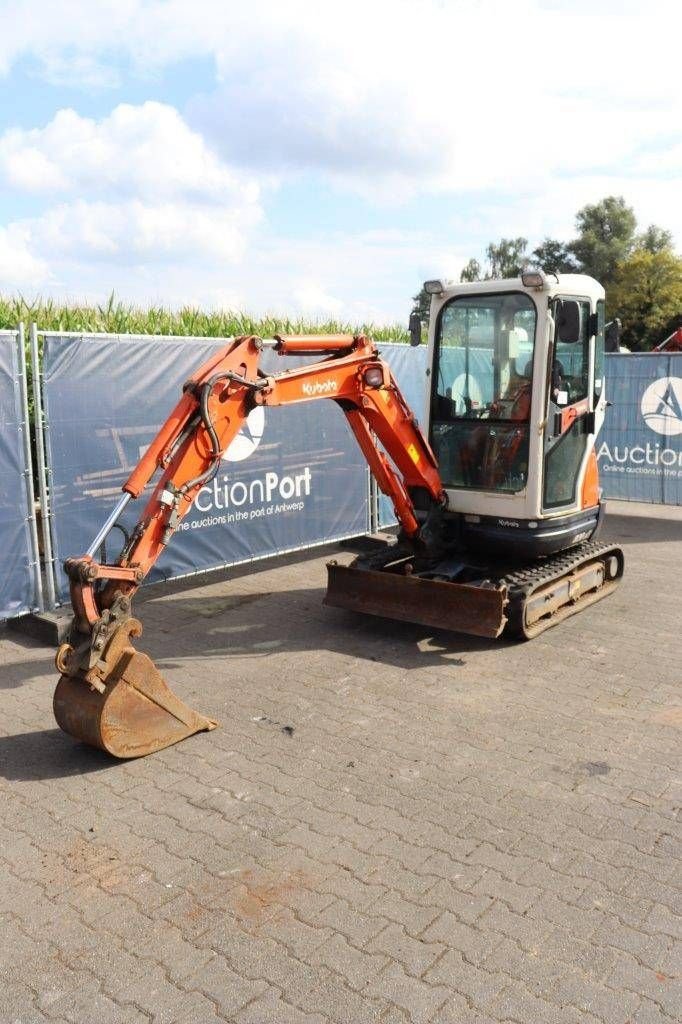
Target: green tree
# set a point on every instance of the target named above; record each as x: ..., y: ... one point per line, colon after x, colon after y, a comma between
x: 606, y: 236
x: 654, y: 239
x: 472, y: 271
x: 555, y: 257
x: 646, y: 293
x: 506, y: 258
x: 421, y: 303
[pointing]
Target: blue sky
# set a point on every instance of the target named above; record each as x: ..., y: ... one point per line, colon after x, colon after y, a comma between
x: 300, y: 157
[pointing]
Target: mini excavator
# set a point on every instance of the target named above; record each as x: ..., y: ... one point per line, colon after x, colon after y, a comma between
x: 498, y: 502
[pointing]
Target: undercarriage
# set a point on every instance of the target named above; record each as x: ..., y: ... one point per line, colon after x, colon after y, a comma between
x: 469, y: 595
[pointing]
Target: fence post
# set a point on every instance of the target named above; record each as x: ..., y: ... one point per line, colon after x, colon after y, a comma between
x: 28, y: 468
x: 41, y: 468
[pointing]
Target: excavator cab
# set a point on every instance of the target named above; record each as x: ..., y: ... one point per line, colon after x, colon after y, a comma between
x: 515, y: 393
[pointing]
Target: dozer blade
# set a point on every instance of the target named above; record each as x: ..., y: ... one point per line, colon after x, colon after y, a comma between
x: 479, y: 611
x: 122, y: 705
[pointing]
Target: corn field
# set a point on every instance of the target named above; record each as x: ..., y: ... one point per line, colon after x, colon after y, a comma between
x: 116, y: 317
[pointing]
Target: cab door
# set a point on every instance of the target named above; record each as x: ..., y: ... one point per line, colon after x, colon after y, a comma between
x: 570, y: 418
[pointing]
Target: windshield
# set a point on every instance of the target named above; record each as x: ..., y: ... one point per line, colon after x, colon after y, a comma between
x: 482, y: 378
x: 485, y: 353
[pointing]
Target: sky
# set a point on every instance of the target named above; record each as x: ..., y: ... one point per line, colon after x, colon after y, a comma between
x: 316, y: 158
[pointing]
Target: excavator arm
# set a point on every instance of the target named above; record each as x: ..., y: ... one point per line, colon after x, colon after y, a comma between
x: 111, y: 695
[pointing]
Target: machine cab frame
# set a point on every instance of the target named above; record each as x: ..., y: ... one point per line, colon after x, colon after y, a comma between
x: 514, y: 402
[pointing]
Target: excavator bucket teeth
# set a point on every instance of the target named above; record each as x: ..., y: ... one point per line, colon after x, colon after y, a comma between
x: 479, y: 611
x: 123, y: 705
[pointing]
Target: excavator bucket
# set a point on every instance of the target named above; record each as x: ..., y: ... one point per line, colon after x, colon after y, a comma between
x: 479, y: 611
x: 122, y: 704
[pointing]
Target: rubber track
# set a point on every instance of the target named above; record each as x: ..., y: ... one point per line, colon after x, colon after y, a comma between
x: 523, y: 582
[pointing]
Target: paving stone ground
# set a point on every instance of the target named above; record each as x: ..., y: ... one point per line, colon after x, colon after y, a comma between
x: 391, y: 825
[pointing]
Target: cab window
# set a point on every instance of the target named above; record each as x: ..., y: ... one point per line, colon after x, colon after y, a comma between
x: 485, y: 354
x: 571, y: 372
x: 482, y: 379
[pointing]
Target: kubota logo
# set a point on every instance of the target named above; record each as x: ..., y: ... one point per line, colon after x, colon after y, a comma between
x: 323, y: 387
x: 662, y: 406
x: 248, y: 438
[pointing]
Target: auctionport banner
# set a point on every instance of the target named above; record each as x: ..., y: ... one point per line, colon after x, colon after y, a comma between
x: 17, y: 580
x: 292, y: 478
x: 640, y: 446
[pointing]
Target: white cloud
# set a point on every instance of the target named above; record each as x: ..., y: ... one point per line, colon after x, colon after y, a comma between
x: 131, y: 230
x: 20, y: 268
x: 311, y: 298
x: 138, y: 187
x: 64, y: 70
x: 402, y: 98
x: 352, y: 276
x: 145, y: 150
x: 71, y: 29
x: 393, y: 97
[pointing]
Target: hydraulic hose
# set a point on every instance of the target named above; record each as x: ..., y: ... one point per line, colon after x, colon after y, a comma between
x: 206, y: 477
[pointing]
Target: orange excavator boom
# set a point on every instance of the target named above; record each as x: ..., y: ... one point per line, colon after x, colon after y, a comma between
x: 111, y: 695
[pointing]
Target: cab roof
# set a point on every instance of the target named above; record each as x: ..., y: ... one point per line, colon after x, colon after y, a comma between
x: 555, y: 284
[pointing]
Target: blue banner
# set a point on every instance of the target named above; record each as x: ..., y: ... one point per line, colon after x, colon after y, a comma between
x: 17, y: 579
x: 640, y: 446
x: 292, y: 478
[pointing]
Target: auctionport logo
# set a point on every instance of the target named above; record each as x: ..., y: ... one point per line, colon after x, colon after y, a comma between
x: 226, y: 500
x: 248, y: 438
x: 662, y: 406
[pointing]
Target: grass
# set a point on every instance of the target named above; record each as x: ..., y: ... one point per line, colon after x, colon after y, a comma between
x: 116, y: 317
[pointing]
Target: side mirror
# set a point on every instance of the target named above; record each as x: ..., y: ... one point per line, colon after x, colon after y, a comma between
x: 415, y: 329
x: 568, y: 321
x: 612, y: 335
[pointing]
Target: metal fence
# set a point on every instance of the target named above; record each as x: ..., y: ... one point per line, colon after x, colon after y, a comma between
x: 292, y: 479
x: 20, y: 580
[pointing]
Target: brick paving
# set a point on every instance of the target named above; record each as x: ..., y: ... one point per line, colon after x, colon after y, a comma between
x: 390, y: 825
